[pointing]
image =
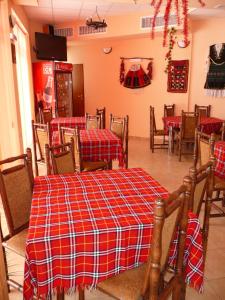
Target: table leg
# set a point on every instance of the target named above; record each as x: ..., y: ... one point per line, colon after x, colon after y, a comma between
x: 170, y: 140
x: 81, y: 294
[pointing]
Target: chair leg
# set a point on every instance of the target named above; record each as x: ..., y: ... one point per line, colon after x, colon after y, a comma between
x: 81, y: 295
x: 60, y: 295
x: 6, y: 267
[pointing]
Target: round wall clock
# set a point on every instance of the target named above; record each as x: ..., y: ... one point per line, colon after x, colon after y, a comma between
x: 107, y: 50
x: 182, y: 44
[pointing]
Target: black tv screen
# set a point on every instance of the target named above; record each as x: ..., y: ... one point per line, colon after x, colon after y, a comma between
x: 50, y: 47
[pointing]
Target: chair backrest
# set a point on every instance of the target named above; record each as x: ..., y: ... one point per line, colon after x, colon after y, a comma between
x: 45, y: 115
x: 65, y: 137
x: 60, y: 158
x: 152, y: 120
x: 61, y: 111
x: 125, y: 141
x: 199, y: 177
x: 41, y: 136
x: 168, y: 215
x: 223, y: 132
x: 189, y: 123
x: 101, y: 112
x: 204, y: 147
x: 117, y: 126
x: 203, y: 111
x: 201, y: 184
x: 16, y: 186
x: 92, y: 121
x: 169, y: 110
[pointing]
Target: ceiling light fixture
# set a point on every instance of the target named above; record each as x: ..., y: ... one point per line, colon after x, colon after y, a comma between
x: 180, y: 5
x: 96, y: 24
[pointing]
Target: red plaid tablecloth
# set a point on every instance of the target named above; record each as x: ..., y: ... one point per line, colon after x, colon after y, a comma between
x: 87, y: 227
x: 70, y: 122
x: 219, y: 151
x: 207, y: 124
x: 100, y: 144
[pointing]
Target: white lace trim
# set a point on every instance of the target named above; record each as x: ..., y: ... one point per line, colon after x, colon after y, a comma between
x: 215, y: 93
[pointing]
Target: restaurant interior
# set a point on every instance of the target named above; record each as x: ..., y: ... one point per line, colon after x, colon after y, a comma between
x: 112, y: 149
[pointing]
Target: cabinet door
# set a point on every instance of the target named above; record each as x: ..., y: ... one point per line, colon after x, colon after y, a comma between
x: 78, y: 90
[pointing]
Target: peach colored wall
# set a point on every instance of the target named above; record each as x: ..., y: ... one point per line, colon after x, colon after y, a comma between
x: 102, y: 87
x: 205, y: 33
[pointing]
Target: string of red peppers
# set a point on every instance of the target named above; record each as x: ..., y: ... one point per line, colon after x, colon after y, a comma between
x: 168, y: 57
x: 184, y: 4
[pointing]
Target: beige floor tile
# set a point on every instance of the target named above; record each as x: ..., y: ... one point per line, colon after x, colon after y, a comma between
x: 208, y: 294
x: 219, y: 286
x: 215, y: 264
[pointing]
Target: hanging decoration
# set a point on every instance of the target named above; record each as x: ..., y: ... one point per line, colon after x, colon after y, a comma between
x: 172, y: 38
x: 122, y: 71
x: 136, y: 77
x: 179, y: 5
x: 178, y: 76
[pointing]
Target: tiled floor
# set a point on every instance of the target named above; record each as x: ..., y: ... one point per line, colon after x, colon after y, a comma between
x: 169, y: 172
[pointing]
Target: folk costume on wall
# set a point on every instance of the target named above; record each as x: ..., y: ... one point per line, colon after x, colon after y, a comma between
x: 215, y: 80
x: 136, y: 77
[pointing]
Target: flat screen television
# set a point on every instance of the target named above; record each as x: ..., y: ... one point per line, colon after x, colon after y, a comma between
x: 50, y: 47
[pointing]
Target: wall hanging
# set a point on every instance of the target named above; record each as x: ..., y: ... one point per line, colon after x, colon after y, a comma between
x: 215, y: 80
x: 136, y: 77
x: 178, y: 76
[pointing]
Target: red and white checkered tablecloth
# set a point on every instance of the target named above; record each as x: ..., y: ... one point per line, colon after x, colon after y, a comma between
x: 207, y: 124
x: 87, y: 227
x: 70, y: 122
x: 100, y: 144
x: 219, y: 151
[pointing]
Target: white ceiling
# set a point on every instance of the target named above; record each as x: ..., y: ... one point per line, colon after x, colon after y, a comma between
x: 60, y: 11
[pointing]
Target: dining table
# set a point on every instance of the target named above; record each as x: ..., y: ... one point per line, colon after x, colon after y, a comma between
x: 87, y: 227
x: 70, y: 122
x: 207, y: 125
x: 219, y: 151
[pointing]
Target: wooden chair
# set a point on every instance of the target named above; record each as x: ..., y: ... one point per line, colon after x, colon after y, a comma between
x: 93, y: 121
x: 81, y: 166
x: 169, y: 110
x: 16, y: 186
x: 101, y: 112
x: 3, y: 279
x: 189, y: 123
x: 148, y: 281
x: 45, y: 115
x: 154, y: 132
x: 60, y: 158
x: 61, y: 111
x: 203, y: 111
x: 203, y: 153
x: 41, y: 136
x: 200, y: 182
x: 203, y: 148
x: 120, y: 127
x: 221, y: 135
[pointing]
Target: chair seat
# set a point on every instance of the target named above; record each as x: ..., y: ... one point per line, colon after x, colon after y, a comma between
x: 17, y: 243
x: 219, y: 183
x: 93, y: 165
x: 126, y: 285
